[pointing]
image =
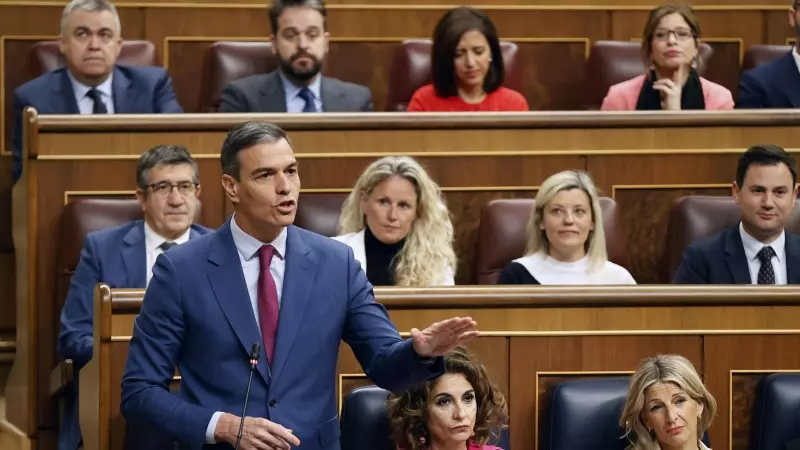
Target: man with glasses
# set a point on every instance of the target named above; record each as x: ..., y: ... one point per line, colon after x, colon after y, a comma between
x: 168, y: 187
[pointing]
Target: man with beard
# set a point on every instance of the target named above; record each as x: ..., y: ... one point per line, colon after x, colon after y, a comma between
x: 777, y: 84
x: 757, y: 250
x: 300, y: 42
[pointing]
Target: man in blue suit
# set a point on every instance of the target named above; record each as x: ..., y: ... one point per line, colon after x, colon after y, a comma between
x: 92, y: 83
x: 777, y: 84
x: 168, y: 187
x: 758, y: 250
x: 259, y: 279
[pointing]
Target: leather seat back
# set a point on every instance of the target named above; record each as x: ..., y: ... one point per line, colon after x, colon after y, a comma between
x: 502, y: 235
x: 776, y: 412
x: 411, y: 69
x: 227, y: 61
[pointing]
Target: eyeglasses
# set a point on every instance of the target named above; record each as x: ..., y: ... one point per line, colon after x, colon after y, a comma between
x: 164, y: 189
x: 681, y: 34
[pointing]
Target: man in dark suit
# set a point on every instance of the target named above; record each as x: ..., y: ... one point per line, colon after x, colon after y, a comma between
x: 259, y: 279
x: 757, y: 250
x: 167, y: 188
x: 777, y: 84
x: 91, y: 82
x: 300, y: 42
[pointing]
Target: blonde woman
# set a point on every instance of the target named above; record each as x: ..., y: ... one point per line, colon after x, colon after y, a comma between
x: 668, y: 407
x: 396, y: 222
x: 566, y: 242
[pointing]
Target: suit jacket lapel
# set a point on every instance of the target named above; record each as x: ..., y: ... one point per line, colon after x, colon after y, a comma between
x: 119, y: 86
x: 134, y: 256
x: 300, y: 268
x: 735, y: 257
x: 332, y: 100
x: 273, y: 97
x: 230, y: 289
x: 64, y: 96
x: 792, y: 258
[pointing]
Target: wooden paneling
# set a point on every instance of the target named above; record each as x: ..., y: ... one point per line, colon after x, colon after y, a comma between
x: 527, y: 358
x: 530, y: 356
x: 724, y: 355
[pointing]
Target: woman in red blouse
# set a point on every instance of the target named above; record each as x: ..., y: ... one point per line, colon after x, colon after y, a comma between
x: 467, y: 68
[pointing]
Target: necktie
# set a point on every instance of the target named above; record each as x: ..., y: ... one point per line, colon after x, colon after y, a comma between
x: 308, y: 96
x: 766, y: 274
x: 166, y: 245
x: 99, y: 107
x: 267, y: 302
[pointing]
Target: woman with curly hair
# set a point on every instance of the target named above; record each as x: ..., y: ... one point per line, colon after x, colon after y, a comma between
x: 462, y: 409
x: 398, y: 226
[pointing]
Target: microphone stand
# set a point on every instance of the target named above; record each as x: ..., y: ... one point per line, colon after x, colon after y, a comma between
x: 253, y: 363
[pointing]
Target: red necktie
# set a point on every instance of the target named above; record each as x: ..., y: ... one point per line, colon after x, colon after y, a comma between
x: 267, y: 301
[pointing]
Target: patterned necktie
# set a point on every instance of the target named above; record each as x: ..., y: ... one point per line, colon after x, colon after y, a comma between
x: 267, y: 302
x: 306, y: 95
x: 766, y: 274
x: 166, y: 245
x: 99, y: 107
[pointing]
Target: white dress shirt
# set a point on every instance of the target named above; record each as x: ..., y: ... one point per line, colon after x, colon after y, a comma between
x: 751, y: 248
x: 796, y: 57
x: 85, y: 103
x: 152, y: 241
x: 247, y: 247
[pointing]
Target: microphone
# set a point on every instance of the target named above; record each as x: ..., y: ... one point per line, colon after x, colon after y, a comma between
x: 253, y: 363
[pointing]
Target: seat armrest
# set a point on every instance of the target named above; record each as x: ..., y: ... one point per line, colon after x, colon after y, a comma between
x: 61, y: 377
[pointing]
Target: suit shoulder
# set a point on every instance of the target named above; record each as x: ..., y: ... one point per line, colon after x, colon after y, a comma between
x: 764, y: 71
x: 249, y: 83
x: 200, y: 229
x: 323, y: 244
x: 146, y: 72
x: 351, y: 88
x: 39, y: 83
x: 113, y: 234
x: 191, y: 251
x: 710, y: 244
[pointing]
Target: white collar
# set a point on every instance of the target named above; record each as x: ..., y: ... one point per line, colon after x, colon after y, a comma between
x: 752, y: 245
x: 248, y: 246
x: 81, y: 89
x: 796, y: 57
x: 153, y: 240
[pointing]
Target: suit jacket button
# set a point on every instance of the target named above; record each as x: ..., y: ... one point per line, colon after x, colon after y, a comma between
x: 273, y: 403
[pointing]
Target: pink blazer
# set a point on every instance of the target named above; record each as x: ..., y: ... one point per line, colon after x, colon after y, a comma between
x: 623, y: 96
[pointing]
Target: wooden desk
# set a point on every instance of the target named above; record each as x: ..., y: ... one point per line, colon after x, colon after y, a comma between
x: 533, y: 338
x: 643, y: 160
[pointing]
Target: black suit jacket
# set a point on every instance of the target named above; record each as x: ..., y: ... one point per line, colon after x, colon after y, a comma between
x: 794, y: 444
x: 265, y: 94
x: 773, y: 85
x: 136, y: 90
x: 720, y: 259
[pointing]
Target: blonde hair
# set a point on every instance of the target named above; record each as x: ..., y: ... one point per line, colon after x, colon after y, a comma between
x: 595, y: 245
x: 428, y: 249
x: 663, y: 369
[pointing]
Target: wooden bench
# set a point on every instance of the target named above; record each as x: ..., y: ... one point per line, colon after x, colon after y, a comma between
x: 533, y: 338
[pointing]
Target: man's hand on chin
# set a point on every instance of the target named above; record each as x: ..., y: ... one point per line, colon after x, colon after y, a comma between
x: 256, y: 434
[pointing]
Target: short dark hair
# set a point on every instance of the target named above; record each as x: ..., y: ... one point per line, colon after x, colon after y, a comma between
x: 244, y: 136
x: 764, y: 155
x: 448, y: 32
x: 278, y: 6
x: 164, y: 154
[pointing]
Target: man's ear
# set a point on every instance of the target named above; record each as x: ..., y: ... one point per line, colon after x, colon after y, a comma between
x: 736, y: 191
x: 231, y: 188
x: 141, y: 196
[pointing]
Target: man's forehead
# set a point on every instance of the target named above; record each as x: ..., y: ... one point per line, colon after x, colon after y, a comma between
x: 93, y: 20
x: 300, y: 17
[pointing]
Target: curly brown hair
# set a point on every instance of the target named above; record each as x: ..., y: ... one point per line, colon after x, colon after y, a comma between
x: 408, y: 410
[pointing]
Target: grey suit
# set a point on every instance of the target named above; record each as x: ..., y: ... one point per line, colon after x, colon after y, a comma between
x: 265, y: 94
